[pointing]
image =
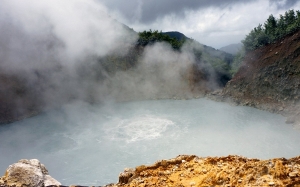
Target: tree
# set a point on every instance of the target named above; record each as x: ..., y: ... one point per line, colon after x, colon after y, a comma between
x: 270, y: 27
x: 290, y: 21
x: 280, y: 31
x: 273, y: 29
x: 298, y: 19
x: 289, y: 17
x: 249, y: 41
x: 150, y: 37
x: 256, y: 38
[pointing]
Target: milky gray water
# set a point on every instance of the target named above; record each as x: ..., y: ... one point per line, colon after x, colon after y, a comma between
x: 91, y: 145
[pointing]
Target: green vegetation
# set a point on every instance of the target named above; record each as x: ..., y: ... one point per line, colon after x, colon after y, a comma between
x: 237, y: 61
x: 175, y: 34
x: 272, y: 30
x: 150, y: 37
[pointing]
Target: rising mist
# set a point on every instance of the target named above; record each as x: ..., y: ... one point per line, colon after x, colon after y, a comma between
x: 52, y: 53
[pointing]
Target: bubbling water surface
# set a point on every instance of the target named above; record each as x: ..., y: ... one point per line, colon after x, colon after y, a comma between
x: 91, y: 144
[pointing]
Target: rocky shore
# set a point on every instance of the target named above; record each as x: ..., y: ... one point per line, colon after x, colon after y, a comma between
x: 184, y: 170
x: 290, y: 111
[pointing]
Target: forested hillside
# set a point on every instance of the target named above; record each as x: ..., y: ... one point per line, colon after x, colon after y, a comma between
x: 272, y: 30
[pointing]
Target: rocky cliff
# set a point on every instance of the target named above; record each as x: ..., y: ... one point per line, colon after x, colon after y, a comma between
x: 269, y: 78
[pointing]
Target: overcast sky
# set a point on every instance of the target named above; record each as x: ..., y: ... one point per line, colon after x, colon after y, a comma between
x: 215, y: 23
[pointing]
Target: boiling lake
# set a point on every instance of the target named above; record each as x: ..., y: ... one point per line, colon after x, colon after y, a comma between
x: 91, y: 144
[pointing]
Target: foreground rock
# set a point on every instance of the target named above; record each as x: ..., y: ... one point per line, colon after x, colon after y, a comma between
x: 214, y: 171
x: 29, y: 173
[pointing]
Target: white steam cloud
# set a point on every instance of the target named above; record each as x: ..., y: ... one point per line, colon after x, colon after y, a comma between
x: 162, y: 73
x: 69, y: 29
x: 51, y: 52
x: 44, y: 44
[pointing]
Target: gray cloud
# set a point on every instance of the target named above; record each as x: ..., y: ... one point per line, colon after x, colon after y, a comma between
x: 284, y: 4
x: 148, y: 11
x: 214, y: 23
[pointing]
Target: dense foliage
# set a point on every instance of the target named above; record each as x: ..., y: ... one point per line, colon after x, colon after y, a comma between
x: 237, y: 61
x: 150, y: 37
x: 272, y: 30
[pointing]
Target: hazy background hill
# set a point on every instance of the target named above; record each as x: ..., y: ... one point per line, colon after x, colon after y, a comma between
x: 220, y: 60
x: 232, y: 48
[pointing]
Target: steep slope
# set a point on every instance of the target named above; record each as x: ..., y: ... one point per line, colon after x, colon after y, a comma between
x: 269, y: 78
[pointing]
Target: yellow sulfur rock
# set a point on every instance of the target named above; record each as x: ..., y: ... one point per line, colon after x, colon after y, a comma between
x: 190, y: 170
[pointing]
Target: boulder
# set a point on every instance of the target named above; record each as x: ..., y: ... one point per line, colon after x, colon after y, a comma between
x: 27, y: 173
